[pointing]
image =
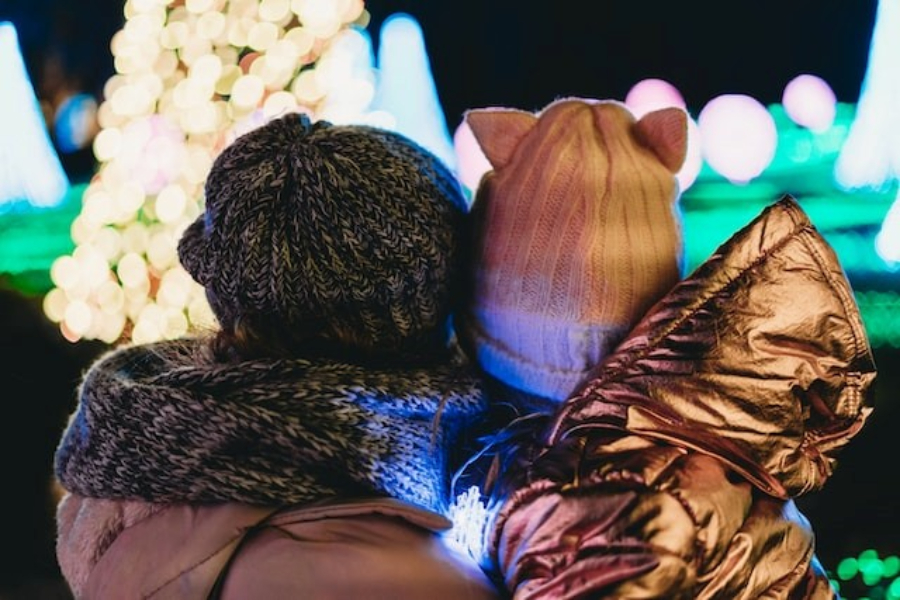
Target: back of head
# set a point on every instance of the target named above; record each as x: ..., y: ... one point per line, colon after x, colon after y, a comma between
x: 577, y: 234
x: 343, y: 238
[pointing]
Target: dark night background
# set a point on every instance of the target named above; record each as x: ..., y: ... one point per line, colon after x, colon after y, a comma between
x: 523, y: 54
x: 483, y: 53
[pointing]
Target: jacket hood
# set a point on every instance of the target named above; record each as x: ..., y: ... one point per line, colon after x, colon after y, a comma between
x: 759, y: 357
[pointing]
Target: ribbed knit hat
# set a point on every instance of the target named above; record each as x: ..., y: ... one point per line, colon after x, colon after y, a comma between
x: 577, y: 233
x: 315, y: 232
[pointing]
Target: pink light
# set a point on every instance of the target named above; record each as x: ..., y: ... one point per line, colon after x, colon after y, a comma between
x: 810, y: 102
x: 693, y: 161
x: 472, y: 164
x: 652, y: 94
x: 738, y: 136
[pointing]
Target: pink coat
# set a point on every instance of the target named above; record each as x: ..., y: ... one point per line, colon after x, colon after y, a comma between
x: 372, y: 549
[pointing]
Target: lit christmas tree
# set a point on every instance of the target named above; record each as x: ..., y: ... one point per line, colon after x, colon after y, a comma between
x: 30, y: 171
x: 870, y: 156
x: 191, y: 75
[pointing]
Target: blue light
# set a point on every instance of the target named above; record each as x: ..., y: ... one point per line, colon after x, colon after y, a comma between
x: 406, y: 88
x: 30, y: 171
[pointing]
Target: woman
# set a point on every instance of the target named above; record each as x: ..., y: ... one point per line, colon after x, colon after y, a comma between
x: 303, y: 449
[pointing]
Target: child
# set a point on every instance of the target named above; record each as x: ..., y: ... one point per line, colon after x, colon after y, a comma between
x: 666, y: 424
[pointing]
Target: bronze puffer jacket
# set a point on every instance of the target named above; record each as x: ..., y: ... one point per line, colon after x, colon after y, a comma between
x: 671, y: 474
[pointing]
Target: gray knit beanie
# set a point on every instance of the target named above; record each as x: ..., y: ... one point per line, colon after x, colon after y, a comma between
x: 317, y: 233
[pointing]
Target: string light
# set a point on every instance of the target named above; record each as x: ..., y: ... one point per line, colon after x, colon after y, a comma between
x: 190, y: 76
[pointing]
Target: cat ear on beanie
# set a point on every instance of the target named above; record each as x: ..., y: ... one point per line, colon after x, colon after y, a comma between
x: 498, y: 131
x: 665, y: 132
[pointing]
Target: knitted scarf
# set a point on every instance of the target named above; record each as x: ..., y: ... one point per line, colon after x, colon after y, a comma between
x: 158, y: 424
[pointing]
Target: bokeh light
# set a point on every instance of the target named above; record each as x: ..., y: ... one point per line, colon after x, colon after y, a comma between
x: 652, y: 94
x: 810, y: 102
x: 472, y: 164
x: 738, y: 136
x: 190, y: 77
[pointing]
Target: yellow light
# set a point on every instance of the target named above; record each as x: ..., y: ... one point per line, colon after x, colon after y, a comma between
x: 147, y: 327
x: 96, y: 206
x: 239, y: 31
x: 109, y: 242
x: 272, y: 77
x: 274, y: 10
x: 247, y: 91
x: 141, y: 6
x: 199, y: 312
x: 351, y: 10
x: 174, y: 35
x: 189, y: 93
x: 174, y: 324
x: 302, y: 38
x: 322, y: 17
x: 198, y: 161
x: 128, y: 101
x: 110, y: 327
x: 135, y: 238
x: 279, y: 103
x: 65, y: 272
x: 166, y: 64
x: 174, y: 288
x: 94, y: 270
x: 162, y: 251
x: 306, y: 87
x: 211, y: 26
x: 230, y: 74
x: 131, y: 196
x: 195, y: 48
x: 206, y: 69
x: 170, y: 203
x: 111, y: 298
x: 78, y: 317
x: 132, y: 271
x: 54, y: 304
x: 262, y: 35
x: 198, y: 6
x: 283, y: 56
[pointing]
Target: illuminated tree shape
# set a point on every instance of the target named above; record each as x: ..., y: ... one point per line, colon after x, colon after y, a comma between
x: 30, y: 170
x: 406, y: 88
x: 870, y: 156
x: 191, y: 75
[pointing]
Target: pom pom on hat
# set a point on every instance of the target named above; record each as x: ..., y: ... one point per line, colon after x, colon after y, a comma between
x: 314, y: 232
x: 576, y: 235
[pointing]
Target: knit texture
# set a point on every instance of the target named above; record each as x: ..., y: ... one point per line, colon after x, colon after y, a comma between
x: 313, y: 231
x: 159, y: 423
x: 576, y: 235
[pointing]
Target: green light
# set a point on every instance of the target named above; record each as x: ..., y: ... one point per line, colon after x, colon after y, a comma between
x: 847, y: 569
x: 870, y: 567
x: 893, y: 590
x: 891, y: 566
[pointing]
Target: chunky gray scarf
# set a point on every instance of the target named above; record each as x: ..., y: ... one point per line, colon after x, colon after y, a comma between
x: 159, y: 424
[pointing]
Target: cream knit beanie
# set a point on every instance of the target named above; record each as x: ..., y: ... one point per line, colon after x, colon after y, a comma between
x: 576, y: 234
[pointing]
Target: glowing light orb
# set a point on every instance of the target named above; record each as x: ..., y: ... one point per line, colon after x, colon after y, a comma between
x: 887, y: 241
x: 738, y: 136
x: 810, y: 102
x: 472, y: 164
x: 693, y: 161
x: 652, y: 94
